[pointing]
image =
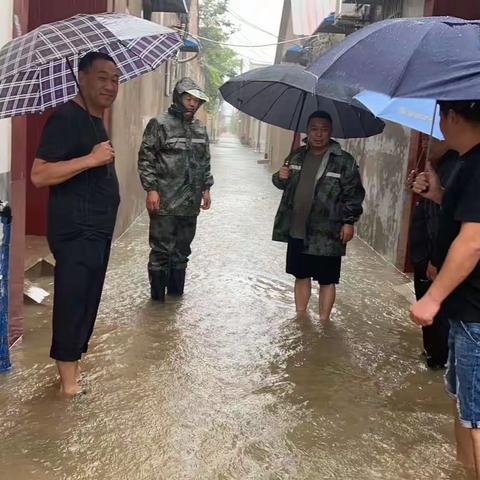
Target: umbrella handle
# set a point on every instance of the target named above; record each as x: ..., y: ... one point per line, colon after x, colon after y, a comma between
x: 430, y: 140
x: 298, y: 123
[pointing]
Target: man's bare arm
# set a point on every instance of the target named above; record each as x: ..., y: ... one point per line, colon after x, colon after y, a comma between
x: 46, y: 174
x: 463, y: 256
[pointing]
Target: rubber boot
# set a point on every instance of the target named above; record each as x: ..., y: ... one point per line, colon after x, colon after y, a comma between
x: 176, y: 282
x: 158, y: 284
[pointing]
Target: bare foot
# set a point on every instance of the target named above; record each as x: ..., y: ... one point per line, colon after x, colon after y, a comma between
x: 70, y: 391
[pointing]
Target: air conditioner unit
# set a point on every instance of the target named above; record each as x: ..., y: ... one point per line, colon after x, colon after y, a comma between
x: 355, y: 12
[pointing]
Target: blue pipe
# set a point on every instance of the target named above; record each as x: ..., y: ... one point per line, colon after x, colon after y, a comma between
x: 6, y: 222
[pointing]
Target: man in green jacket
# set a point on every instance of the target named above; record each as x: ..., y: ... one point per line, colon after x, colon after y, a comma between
x: 174, y: 168
x: 322, y: 200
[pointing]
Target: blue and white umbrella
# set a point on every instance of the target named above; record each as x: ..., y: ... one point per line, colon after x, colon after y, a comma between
x: 420, y: 114
x: 37, y: 70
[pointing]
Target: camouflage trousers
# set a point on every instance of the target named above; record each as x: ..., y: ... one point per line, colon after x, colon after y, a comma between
x: 170, y: 239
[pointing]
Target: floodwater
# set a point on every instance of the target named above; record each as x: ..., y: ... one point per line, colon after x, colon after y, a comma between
x: 226, y: 383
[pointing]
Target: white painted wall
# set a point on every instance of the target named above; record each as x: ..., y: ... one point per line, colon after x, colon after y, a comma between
x: 6, y: 23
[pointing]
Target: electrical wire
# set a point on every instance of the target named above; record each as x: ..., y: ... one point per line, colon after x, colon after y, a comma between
x: 225, y: 44
x: 259, y: 53
x: 247, y: 22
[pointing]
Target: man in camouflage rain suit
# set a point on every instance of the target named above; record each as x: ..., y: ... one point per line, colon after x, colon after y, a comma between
x: 322, y: 200
x: 174, y: 168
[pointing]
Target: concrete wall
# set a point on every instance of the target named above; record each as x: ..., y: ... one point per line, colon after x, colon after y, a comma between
x: 6, y: 23
x: 383, y: 162
x: 278, y: 146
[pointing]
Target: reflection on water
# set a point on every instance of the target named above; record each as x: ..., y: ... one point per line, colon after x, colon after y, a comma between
x: 225, y: 383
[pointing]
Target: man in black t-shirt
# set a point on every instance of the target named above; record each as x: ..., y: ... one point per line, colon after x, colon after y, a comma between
x: 75, y: 159
x: 456, y: 289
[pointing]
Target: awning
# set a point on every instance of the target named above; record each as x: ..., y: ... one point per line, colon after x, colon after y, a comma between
x: 190, y: 46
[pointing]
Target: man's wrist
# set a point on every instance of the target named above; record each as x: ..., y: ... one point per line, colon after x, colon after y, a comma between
x: 437, y: 197
x: 433, y: 296
x: 88, y: 161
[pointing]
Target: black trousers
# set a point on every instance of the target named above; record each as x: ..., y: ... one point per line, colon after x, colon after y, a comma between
x: 170, y: 239
x: 81, y: 265
x: 435, y: 337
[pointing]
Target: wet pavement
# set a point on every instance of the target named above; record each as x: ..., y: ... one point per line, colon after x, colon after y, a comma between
x: 226, y: 383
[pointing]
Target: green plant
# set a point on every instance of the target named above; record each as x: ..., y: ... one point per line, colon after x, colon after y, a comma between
x: 218, y: 61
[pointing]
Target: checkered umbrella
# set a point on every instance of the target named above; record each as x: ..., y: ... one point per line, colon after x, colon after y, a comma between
x: 35, y: 71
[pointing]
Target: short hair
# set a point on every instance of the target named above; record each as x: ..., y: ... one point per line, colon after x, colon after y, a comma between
x: 320, y: 114
x: 88, y: 60
x: 468, y: 109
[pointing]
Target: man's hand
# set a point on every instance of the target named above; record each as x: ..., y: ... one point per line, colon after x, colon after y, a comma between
x: 346, y: 233
x: 206, y: 201
x: 427, y: 184
x: 432, y: 272
x: 153, y: 202
x: 284, y: 173
x: 424, y: 311
x: 102, y: 154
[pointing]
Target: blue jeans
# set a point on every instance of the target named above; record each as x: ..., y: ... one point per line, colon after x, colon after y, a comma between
x: 463, y: 372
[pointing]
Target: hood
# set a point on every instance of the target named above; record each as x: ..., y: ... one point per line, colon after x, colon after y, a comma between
x: 185, y: 85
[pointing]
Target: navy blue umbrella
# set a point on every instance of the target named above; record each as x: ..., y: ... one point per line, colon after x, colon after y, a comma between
x: 286, y: 96
x: 430, y: 57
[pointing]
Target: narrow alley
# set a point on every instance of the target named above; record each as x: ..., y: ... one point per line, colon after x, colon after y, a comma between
x: 226, y: 383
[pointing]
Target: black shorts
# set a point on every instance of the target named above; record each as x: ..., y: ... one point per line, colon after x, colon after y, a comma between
x: 80, y: 269
x: 324, y: 270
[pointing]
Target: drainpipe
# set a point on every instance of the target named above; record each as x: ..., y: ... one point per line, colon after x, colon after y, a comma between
x: 259, y: 133
x: 6, y: 223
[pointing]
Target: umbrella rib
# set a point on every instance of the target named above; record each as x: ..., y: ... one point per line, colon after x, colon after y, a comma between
x: 299, y: 119
x: 300, y: 114
x: 339, y: 119
x: 273, y: 104
x: 402, y: 76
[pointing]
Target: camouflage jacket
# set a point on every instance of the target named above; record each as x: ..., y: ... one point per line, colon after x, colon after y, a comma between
x: 174, y: 160
x: 337, y: 201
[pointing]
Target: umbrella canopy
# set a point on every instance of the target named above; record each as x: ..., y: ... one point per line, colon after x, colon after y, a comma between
x: 35, y: 69
x: 286, y: 96
x: 431, y: 57
x: 418, y: 113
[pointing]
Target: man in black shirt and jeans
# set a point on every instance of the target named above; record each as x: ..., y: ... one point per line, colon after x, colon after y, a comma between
x: 75, y: 159
x: 456, y: 289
